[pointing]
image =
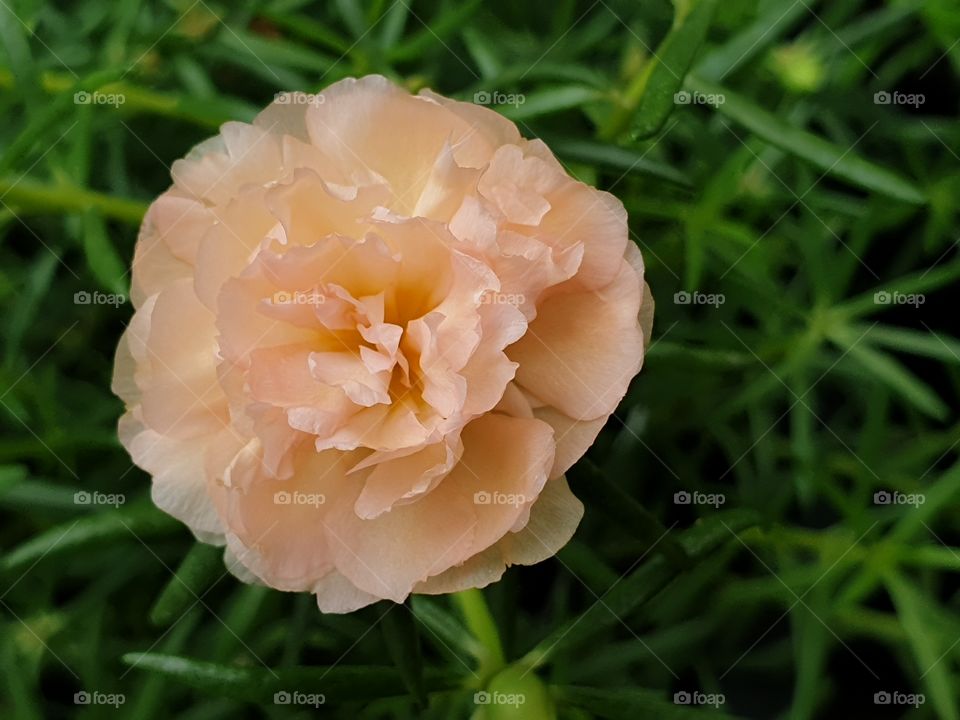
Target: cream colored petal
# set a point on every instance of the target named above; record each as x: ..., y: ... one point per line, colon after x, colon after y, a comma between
x: 336, y: 594
x: 283, y: 521
x: 180, y: 392
x: 584, y: 348
x: 507, y: 458
x: 179, y: 485
x: 407, y: 478
x: 553, y: 520
x: 573, y: 437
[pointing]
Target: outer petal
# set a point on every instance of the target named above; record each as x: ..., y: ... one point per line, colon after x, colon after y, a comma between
x: 553, y: 520
x: 336, y: 594
x: 179, y: 480
x: 573, y: 437
x: 279, y: 525
x: 390, y: 554
x: 177, y: 377
x: 583, y: 349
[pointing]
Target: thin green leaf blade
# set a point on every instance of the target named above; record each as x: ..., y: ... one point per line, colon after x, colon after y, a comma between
x: 833, y: 159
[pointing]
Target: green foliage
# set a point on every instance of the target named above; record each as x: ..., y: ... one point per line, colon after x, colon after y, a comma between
x: 796, y: 204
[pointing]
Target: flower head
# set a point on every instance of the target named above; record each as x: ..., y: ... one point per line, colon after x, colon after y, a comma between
x: 372, y: 332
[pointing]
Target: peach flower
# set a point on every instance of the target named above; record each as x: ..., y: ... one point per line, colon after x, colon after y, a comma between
x: 372, y: 332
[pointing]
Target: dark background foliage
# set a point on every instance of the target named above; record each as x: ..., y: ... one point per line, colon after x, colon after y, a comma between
x: 791, y: 172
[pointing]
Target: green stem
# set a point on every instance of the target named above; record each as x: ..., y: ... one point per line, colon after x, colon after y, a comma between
x: 205, y: 112
x: 480, y: 622
x: 29, y: 195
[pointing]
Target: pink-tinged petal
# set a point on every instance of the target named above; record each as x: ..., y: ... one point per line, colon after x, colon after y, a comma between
x: 442, y: 388
x: 181, y: 222
x: 584, y: 348
x: 505, y: 459
x: 215, y: 171
x: 581, y: 214
x: 285, y: 117
x: 154, y: 264
x: 553, y: 520
x: 380, y: 427
x: 488, y: 130
x: 179, y: 479
x: 442, y: 193
x: 281, y: 376
x: 514, y: 402
x: 646, y: 304
x: 310, y: 209
x: 475, y: 224
x: 124, y: 383
x: 348, y: 126
x: 518, y: 186
x: 180, y: 394
x: 527, y: 267
x: 226, y: 249
x: 282, y: 521
x: 406, y: 478
x: 244, y: 324
x: 349, y: 373
x: 478, y: 571
x: 573, y: 437
x: 646, y: 316
x: 336, y: 594
x: 489, y: 369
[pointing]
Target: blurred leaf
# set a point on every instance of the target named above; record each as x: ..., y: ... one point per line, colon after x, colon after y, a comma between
x: 130, y: 522
x: 451, y: 19
x: 618, y: 158
x: 102, y: 258
x: 620, y: 703
x: 550, y: 100
x: 833, y: 159
x: 663, y: 76
x: 640, y: 585
x: 336, y: 683
x: 773, y: 22
x: 445, y: 625
x: 891, y: 373
x: 403, y: 643
x: 599, y: 491
x: 199, y: 569
x: 929, y: 344
x: 914, y: 610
